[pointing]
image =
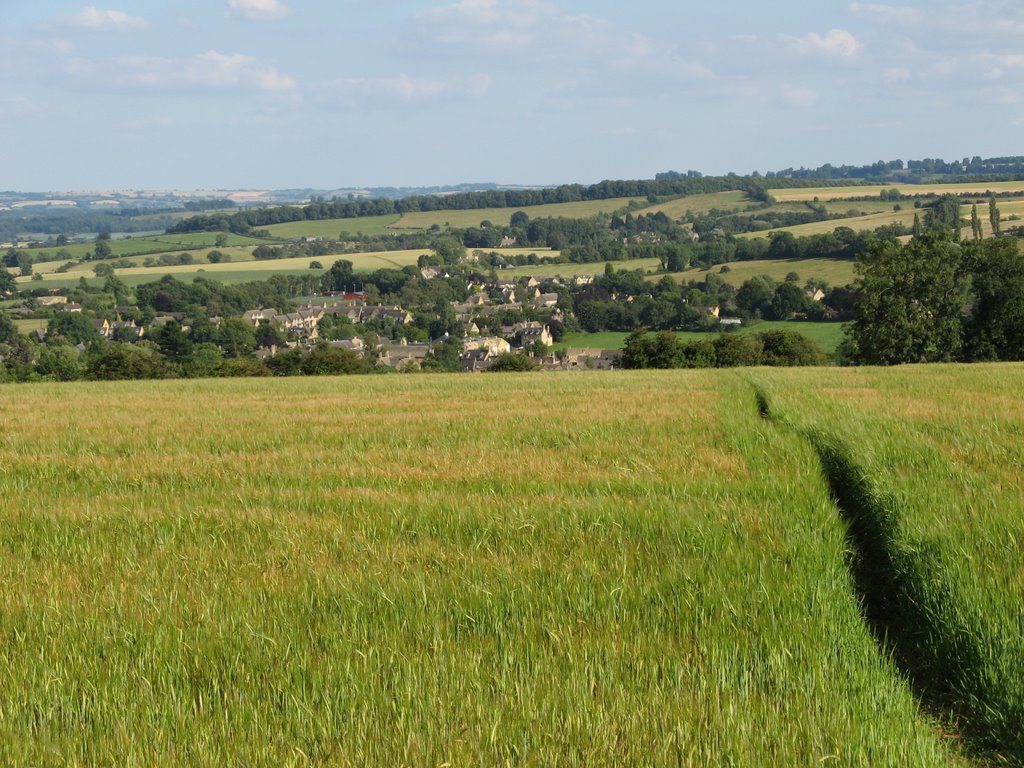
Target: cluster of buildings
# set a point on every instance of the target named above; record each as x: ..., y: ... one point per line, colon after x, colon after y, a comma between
x: 476, y: 315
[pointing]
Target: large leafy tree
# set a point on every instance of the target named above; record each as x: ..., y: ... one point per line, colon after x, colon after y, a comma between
x: 995, y: 328
x: 909, y: 303
x: 7, y: 282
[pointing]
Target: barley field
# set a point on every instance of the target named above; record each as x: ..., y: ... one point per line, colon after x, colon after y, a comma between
x: 929, y: 464
x: 845, y: 193
x: 582, y: 570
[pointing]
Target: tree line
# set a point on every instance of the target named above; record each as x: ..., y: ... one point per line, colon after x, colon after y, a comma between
x: 937, y: 300
x: 244, y: 221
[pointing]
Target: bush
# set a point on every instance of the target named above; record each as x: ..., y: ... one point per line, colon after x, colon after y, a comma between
x: 512, y: 362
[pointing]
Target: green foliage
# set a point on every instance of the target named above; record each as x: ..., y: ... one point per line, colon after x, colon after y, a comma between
x: 994, y: 216
x: 943, y: 217
x: 644, y: 350
x: 7, y: 282
x: 325, y: 360
x: 116, y: 361
x: 60, y: 361
x: 339, y: 277
x: 909, y: 302
x: 995, y: 328
x: 785, y: 348
x: 665, y: 349
x: 76, y: 327
x: 512, y: 362
x: 445, y: 356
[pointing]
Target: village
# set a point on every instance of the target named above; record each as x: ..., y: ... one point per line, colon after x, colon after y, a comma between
x: 447, y: 318
x: 479, y: 349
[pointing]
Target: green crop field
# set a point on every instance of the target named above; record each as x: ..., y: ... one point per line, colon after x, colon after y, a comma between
x: 332, y: 228
x: 864, y: 206
x: 700, y: 204
x: 143, y: 246
x: 606, y: 570
x: 501, y: 216
x: 30, y: 325
x: 871, y: 221
x: 241, y: 269
x: 833, y: 271
x: 827, y: 335
x: 928, y: 466
x: 569, y: 270
x: 845, y: 193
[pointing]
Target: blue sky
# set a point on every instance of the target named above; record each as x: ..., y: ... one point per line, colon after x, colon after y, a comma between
x: 219, y: 94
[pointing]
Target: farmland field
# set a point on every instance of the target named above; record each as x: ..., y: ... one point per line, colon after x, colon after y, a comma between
x: 845, y: 193
x: 502, y: 216
x: 141, y: 246
x: 630, y: 569
x: 833, y: 271
x: 570, y: 269
x: 241, y: 269
x: 871, y: 221
x: 700, y: 204
x: 332, y: 228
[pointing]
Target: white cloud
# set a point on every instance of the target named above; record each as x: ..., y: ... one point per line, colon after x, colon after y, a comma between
x: 17, y: 106
x: 209, y: 70
x: 408, y: 87
x: 97, y: 20
x: 1011, y: 60
x: 545, y: 34
x: 259, y: 10
x: 1003, y: 95
x: 837, y: 43
x: 799, y: 97
x: 897, y: 76
x: 886, y: 13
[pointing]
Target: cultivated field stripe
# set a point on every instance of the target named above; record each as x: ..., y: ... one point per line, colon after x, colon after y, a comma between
x: 910, y: 611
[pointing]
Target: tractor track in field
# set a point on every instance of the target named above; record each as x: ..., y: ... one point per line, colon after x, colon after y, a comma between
x: 911, y: 613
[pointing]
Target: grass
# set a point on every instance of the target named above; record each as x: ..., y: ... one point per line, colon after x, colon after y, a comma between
x: 940, y: 495
x: 333, y: 228
x: 833, y: 271
x: 828, y: 335
x: 569, y: 270
x: 700, y: 204
x: 31, y: 324
x: 620, y: 570
x: 143, y: 246
x: 502, y: 216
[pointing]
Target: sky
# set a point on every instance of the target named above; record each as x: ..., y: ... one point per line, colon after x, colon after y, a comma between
x: 275, y: 94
